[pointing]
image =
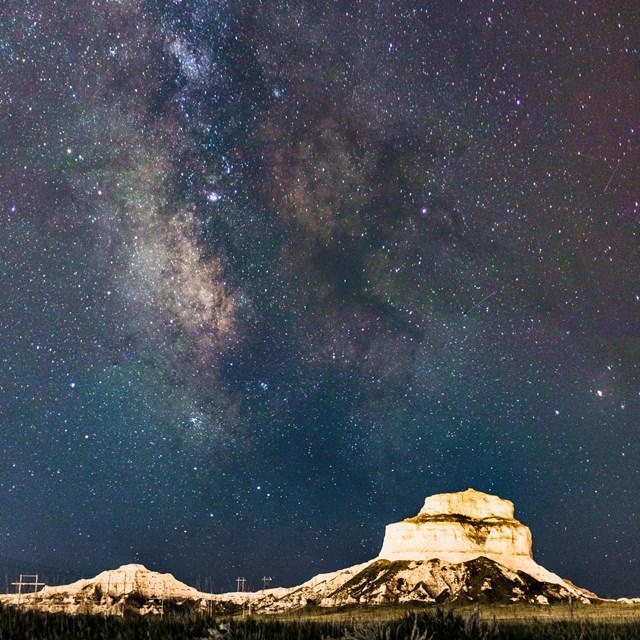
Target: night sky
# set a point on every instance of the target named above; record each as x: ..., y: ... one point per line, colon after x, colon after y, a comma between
x: 272, y: 272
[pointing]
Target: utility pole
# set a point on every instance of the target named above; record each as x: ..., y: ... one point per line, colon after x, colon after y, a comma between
x: 124, y: 595
x: 241, y: 582
x: 266, y: 582
x: 106, y: 595
x: 208, y: 586
x: 29, y: 583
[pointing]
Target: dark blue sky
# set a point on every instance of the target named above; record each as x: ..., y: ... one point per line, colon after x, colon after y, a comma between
x: 272, y: 272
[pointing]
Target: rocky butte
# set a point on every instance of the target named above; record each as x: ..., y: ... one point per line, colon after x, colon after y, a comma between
x: 460, y: 548
x: 129, y: 590
x: 457, y: 527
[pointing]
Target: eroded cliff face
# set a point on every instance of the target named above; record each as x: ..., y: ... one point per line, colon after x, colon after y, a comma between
x: 129, y: 578
x: 470, y: 503
x: 460, y: 526
x: 129, y: 590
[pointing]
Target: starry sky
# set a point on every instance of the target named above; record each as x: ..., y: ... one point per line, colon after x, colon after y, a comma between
x: 273, y: 271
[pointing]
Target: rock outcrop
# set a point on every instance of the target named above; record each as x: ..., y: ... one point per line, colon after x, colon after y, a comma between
x: 132, y: 589
x: 457, y: 527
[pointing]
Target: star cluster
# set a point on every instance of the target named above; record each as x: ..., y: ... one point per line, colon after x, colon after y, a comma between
x: 272, y: 272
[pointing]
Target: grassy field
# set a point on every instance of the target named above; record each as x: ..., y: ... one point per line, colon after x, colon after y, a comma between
x: 595, y: 613
x: 601, y: 612
x: 605, y: 621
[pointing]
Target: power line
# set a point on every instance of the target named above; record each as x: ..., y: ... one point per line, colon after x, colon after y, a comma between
x: 29, y: 583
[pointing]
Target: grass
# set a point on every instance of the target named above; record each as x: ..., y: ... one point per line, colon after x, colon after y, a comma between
x: 505, y: 622
x: 578, y: 612
x: 518, y: 612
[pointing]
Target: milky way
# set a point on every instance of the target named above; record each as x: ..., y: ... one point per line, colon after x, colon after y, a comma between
x: 272, y: 272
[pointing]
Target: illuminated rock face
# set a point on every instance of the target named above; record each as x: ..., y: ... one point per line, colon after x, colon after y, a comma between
x: 129, y: 590
x: 470, y: 503
x: 129, y: 578
x: 457, y: 527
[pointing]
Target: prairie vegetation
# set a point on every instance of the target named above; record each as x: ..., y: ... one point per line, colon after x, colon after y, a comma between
x: 503, y: 623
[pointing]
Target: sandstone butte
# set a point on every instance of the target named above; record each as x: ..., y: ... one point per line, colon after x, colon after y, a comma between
x: 461, y: 547
x: 457, y: 527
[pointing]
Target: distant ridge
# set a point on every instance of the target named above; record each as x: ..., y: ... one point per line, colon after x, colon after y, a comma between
x: 129, y: 590
x: 460, y: 548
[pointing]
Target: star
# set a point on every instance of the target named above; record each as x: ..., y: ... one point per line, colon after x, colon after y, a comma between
x: 364, y: 256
